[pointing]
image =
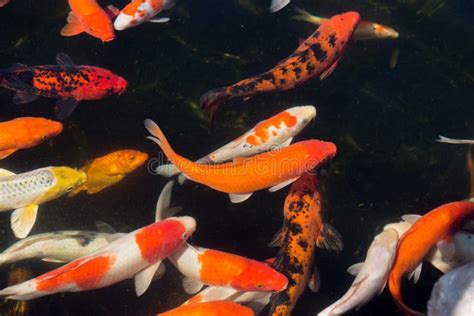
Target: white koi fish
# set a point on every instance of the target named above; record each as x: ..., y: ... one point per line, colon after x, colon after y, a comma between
x: 365, y: 30
x: 141, y: 11
x: 443, y: 139
x: 277, y: 5
x: 276, y: 132
x: 24, y: 193
x: 453, y: 294
x: 137, y: 254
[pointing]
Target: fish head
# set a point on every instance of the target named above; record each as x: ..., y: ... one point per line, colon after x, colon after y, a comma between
x: 41, y: 129
x: 66, y: 179
x: 382, y: 31
x: 135, y: 13
x: 119, y: 85
x: 318, y: 152
x: 304, y: 114
x: 189, y: 224
x: 258, y: 276
x: 100, y: 26
x: 129, y: 160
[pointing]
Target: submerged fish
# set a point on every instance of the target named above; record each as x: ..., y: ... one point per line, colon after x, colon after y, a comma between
x: 137, y: 254
x: 365, y: 30
x: 303, y: 230
x: 88, y: 16
x: 216, y: 308
x: 434, y: 227
x: 453, y: 293
x: 4, y: 2
x: 244, y: 176
x: 24, y: 192
x: 276, y: 132
x: 318, y: 55
x: 107, y: 170
x: 141, y: 11
x: 26, y: 132
x: 66, y: 81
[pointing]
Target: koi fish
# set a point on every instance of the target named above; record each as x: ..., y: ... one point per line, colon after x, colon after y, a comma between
x: 275, y: 132
x: 453, y: 294
x: 434, y: 227
x: 24, y: 193
x: 89, y: 17
x: 365, y: 30
x: 137, y: 254
x: 302, y: 231
x: 318, y: 55
x: 26, y: 132
x: 141, y: 11
x: 246, y: 175
x: 277, y: 5
x: 60, y: 246
x: 216, y: 308
x: 443, y: 139
x: 4, y: 3
x: 66, y: 81
x: 110, y: 169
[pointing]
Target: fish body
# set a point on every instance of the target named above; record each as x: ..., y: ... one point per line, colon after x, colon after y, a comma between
x: 371, y: 275
x: 216, y: 308
x: 246, y: 175
x: 24, y: 192
x: 26, y: 132
x: 66, y: 81
x: 318, y: 55
x: 366, y: 30
x: 301, y: 234
x: 60, y: 246
x: 453, y: 293
x: 203, y: 266
x: 137, y: 254
x: 435, y: 226
x: 140, y: 11
x: 89, y: 17
x: 107, y: 170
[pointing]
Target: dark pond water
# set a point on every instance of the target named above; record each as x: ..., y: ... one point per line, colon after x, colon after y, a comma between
x: 384, y: 122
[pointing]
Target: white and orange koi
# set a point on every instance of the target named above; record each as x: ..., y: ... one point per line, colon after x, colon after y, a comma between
x: 140, y: 11
x: 138, y: 254
x: 273, y: 133
x: 366, y: 30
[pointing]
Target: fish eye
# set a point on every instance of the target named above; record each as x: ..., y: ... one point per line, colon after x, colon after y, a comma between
x: 259, y: 286
x: 184, y: 236
x: 132, y: 157
x: 43, y: 137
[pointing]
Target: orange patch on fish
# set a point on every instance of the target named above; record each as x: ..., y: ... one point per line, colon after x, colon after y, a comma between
x: 231, y: 266
x: 262, y: 130
x: 215, y: 308
x: 132, y: 7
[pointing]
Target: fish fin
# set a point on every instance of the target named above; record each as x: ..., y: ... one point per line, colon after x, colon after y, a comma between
x: 278, y: 238
x: 168, y: 170
x: 282, y: 185
x: 329, y: 71
x: 411, y: 218
x: 329, y: 238
x: 159, y: 20
x: 6, y: 173
x: 287, y: 142
x: 164, y: 202
x: 159, y: 138
x: 78, y: 189
x: 160, y: 272
x: 64, y: 60
x: 239, y: 198
x: 355, y: 268
x: 168, y: 4
x: 73, y: 26
x: 64, y: 108
x: 181, y: 179
x: 144, y: 278
x: 213, y: 293
x: 314, y: 283
x: 53, y: 260
x: 112, y: 11
x: 192, y: 286
x: 305, y: 16
x: 383, y: 286
x: 447, y: 140
x: 103, y: 227
x: 5, y: 153
x: 446, y: 249
x: 23, y: 219
x: 21, y: 97
x: 277, y: 5
x: 415, y: 274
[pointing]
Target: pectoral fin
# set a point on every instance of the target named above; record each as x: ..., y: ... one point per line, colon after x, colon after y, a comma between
x: 355, y: 268
x: 278, y: 238
x: 329, y: 238
x: 21, y: 97
x: 239, y: 198
x: 314, y: 283
x: 7, y: 152
x: 65, y: 107
x: 112, y: 11
x: 73, y: 27
x: 23, y: 219
x: 446, y: 249
x: 103, y: 227
x: 415, y: 273
x: 329, y: 71
x: 192, y: 286
x: 163, y: 209
x: 168, y: 170
x: 53, y: 260
x: 159, y: 20
x: 282, y: 185
x: 144, y: 278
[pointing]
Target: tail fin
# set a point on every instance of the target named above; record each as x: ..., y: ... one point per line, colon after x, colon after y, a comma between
x: 22, y: 291
x: 305, y: 16
x: 394, y: 285
x: 212, y: 100
x: 160, y: 139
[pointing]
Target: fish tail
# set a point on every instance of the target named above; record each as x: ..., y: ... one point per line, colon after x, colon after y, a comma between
x: 160, y: 139
x: 305, y: 16
x: 22, y: 291
x: 212, y: 100
x: 394, y: 285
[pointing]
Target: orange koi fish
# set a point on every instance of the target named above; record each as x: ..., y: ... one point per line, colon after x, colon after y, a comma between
x: 141, y: 11
x: 216, y: 308
x: 88, y: 16
x: 138, y: 254
x: 303, y: 230
x: 66, y: 81
x: 108, y: 170
x: 26, y: 132
x: 365, y: 30
x: 243, y: 176
x: 318, y: 55
x: 434, y: 227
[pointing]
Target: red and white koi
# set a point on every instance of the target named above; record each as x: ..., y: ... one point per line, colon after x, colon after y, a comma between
x: 141, y: 11
x: 138, y: 254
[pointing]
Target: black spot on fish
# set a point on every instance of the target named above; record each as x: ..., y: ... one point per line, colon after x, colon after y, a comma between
x: 316, y: 34
x: 319, y: 52
x: 86, y: 239
x: 266, y: 77
x: 282, y: 81
x: 332, y: 40
x: 294, y: 228
x: 303, y: 244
